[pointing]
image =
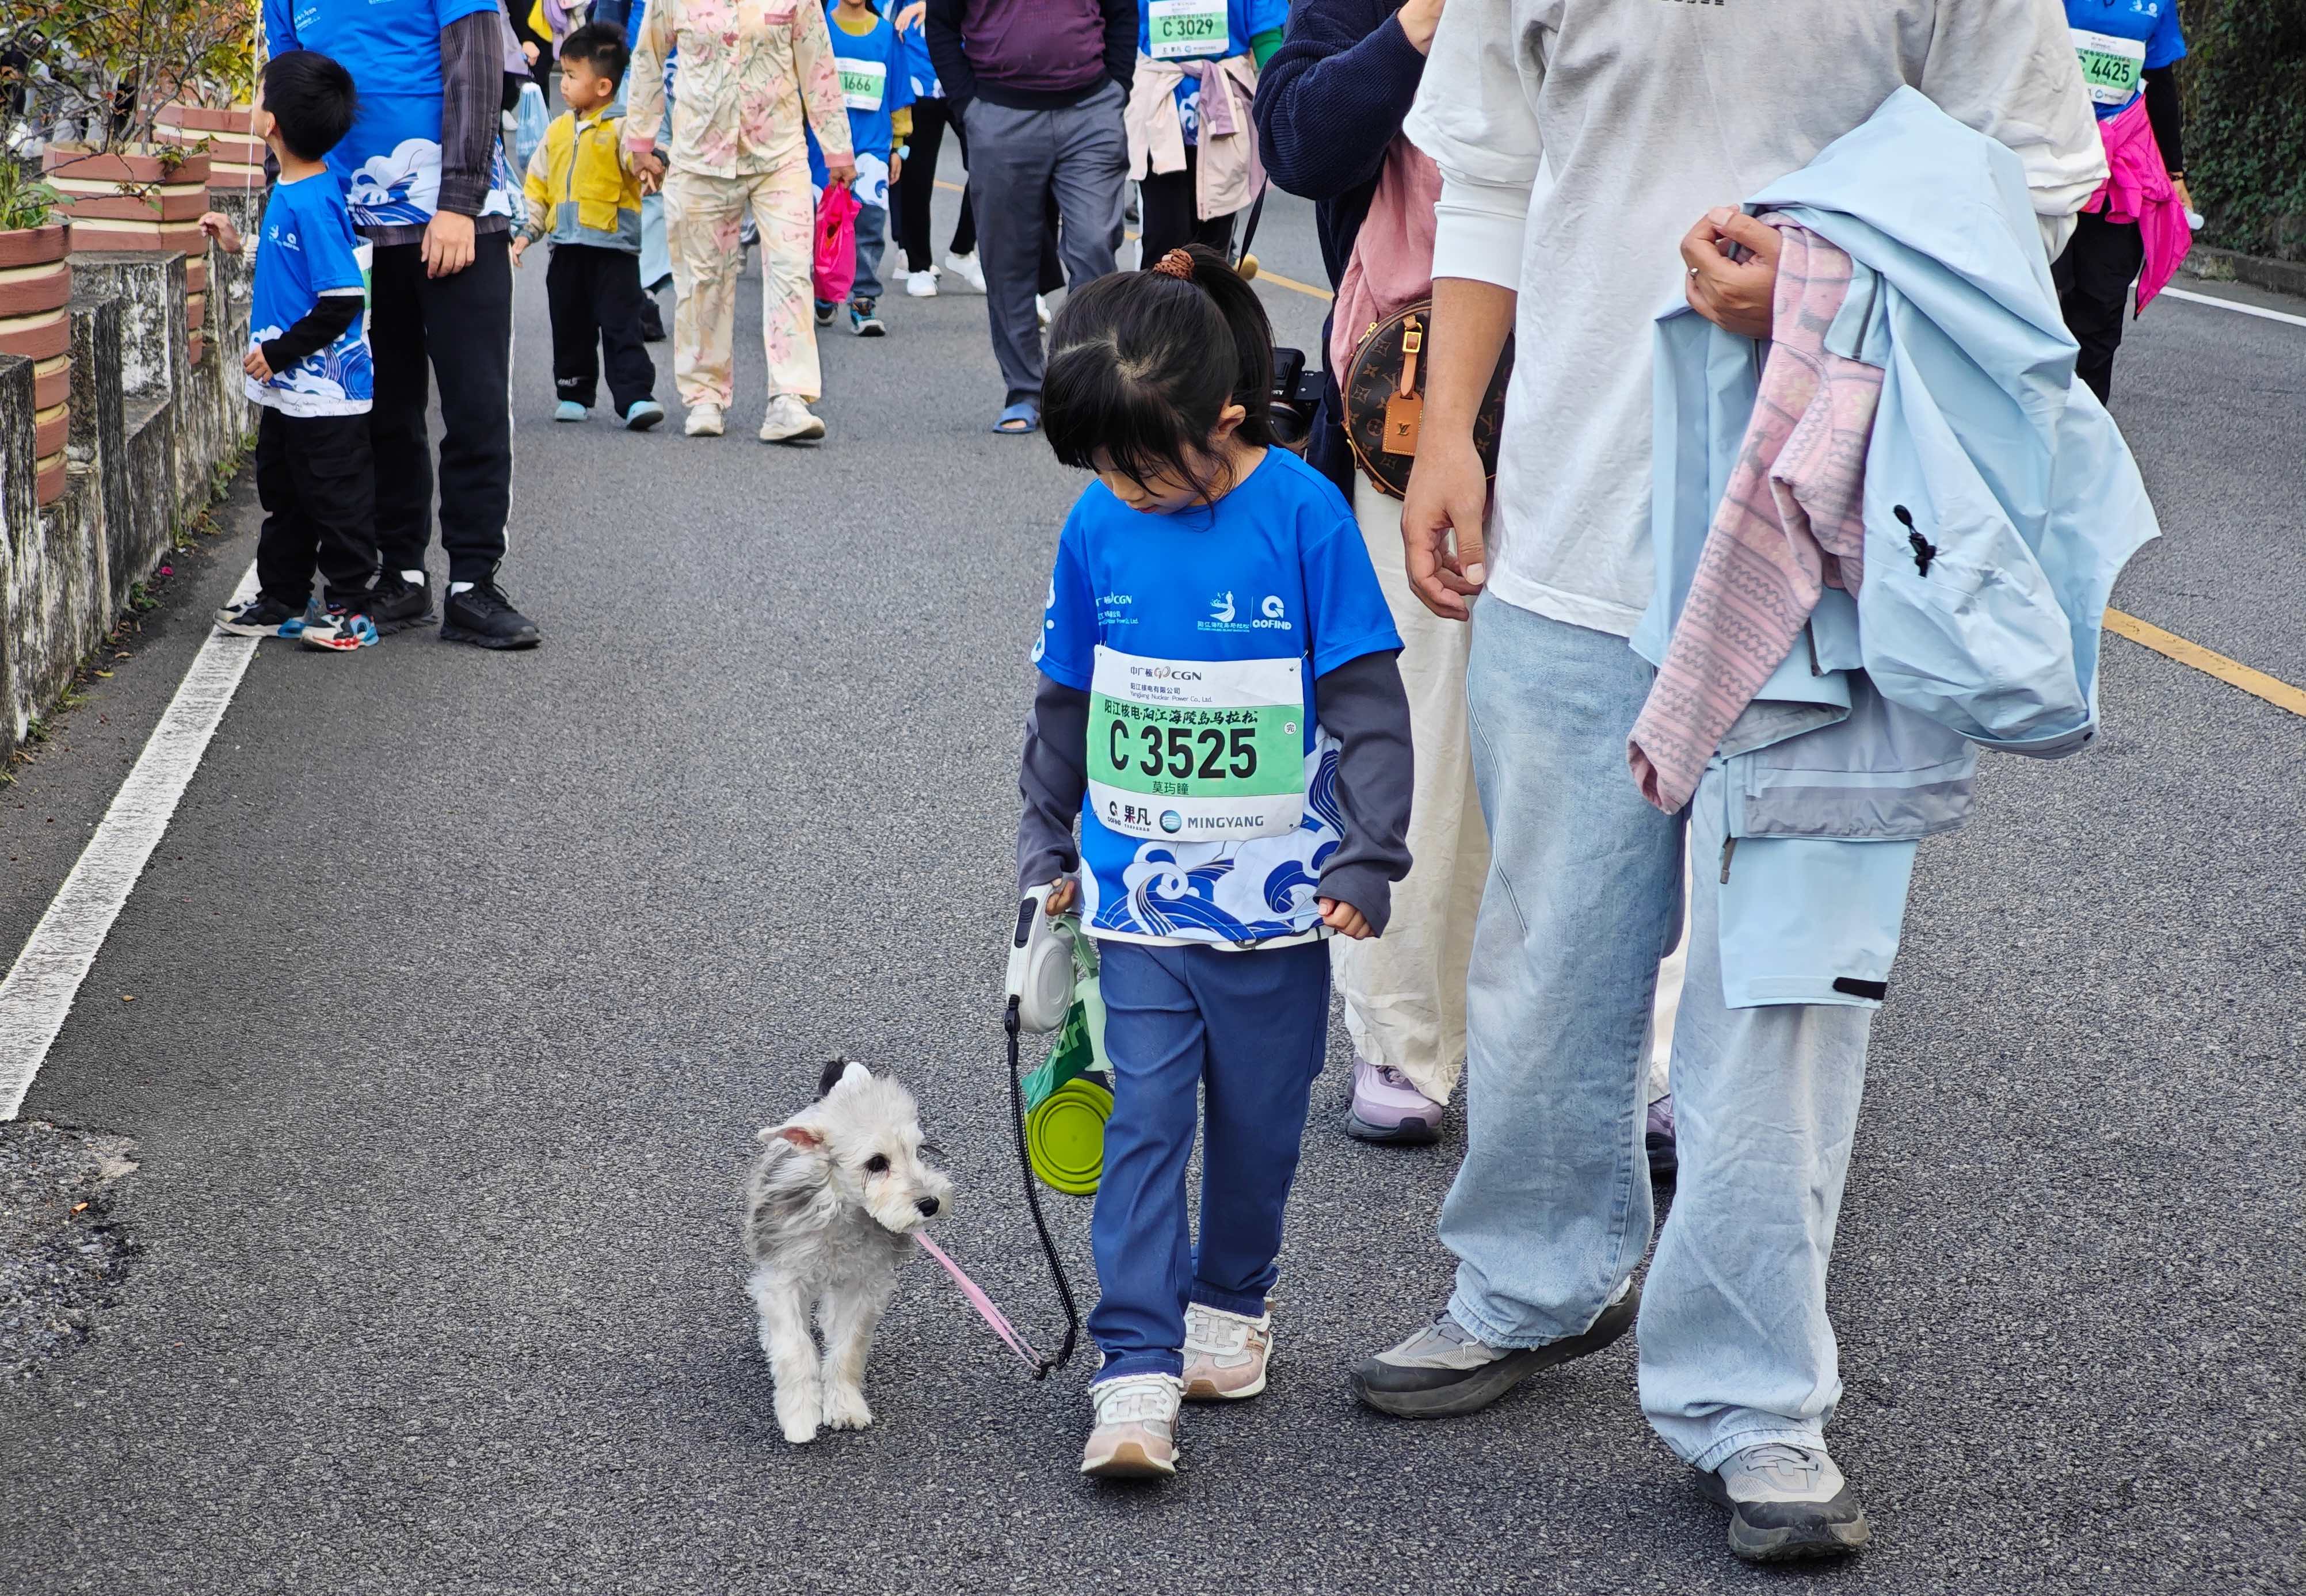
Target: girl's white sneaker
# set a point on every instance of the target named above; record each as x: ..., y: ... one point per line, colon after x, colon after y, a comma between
x: 922, y: 285
x: 1226, y: 1353
x: 1136, y: 1433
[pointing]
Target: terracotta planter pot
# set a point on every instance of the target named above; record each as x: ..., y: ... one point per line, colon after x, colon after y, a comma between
x: 135, y: 200
x: 35, y: 282
x: 235, y: 154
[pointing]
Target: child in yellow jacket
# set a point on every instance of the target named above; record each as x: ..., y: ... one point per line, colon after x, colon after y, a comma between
x: 584, y: 194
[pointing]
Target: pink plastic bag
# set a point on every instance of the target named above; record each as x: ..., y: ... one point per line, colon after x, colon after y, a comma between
x: 835, y: 267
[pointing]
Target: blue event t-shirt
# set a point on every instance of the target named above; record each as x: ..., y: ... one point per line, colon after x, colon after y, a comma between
x: 1245, y: 20
x: 1274, y: 571
x: 390, y: 160
x: 2108, y: 35
x: 305, y: 248
x: 921, y: 71
x: 875, y: 80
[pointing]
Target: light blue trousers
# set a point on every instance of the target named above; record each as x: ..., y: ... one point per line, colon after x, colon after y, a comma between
x: 1550, y: 1210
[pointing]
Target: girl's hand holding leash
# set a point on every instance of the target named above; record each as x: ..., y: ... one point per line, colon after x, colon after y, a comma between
x: 1345, y: 919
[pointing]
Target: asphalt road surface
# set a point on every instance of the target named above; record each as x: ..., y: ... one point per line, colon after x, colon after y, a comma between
x: 462, y: 981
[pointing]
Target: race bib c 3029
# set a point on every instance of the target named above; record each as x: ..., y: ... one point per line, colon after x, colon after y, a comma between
x: 2111, y: 66
x: 1197, y: 750
x: 1186, y: 30
x: 863, y: 83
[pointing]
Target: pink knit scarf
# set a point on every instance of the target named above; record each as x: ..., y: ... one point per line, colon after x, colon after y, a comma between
x: 1791, y: 521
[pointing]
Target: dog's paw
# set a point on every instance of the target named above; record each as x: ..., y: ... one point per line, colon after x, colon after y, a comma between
x: 797, y: 1416
x: 845, y: 1409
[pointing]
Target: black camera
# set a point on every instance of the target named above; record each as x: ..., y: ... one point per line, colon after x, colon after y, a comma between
x: 1296, y: 399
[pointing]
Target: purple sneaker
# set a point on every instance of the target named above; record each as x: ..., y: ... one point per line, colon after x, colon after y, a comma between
x: 1658, y: 1138
x: 1388, y: 1108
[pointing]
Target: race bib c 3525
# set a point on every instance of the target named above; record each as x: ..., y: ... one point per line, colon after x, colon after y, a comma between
x: 1197, y: 750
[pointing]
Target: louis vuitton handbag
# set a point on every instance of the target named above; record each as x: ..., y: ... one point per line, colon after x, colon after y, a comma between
x: 1384, y: 394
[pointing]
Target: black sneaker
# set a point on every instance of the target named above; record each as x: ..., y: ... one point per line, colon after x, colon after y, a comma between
x: 1787, y: 1502
x: 400, y: 604
x: 1443, y: 1370
x: 481, y: 615
x: 261, y: 618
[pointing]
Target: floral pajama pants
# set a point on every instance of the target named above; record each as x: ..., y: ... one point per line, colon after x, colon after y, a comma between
x: 702, y: 216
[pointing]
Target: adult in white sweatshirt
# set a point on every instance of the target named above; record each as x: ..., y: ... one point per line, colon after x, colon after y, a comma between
x: 1654, y: 118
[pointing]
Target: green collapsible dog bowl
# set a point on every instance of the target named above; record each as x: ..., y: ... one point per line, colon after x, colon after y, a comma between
x: 1064, y: 1136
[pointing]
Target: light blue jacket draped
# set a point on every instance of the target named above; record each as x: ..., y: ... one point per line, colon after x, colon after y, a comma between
x: 2001, y: 503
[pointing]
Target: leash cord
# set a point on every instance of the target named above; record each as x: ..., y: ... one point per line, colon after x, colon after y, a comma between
x: 1033, y: 1200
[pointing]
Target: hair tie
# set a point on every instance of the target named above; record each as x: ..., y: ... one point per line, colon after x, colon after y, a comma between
x: 1177, y: 264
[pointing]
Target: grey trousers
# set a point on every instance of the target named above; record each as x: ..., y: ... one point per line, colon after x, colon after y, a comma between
x: 1016, y: 160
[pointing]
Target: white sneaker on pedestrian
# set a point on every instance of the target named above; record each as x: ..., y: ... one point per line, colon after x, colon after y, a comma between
x: 1041, y: 308
x: 1787, y: 1502
x: 922, y: 285
x: 790, y: 421
x: 704, y: 421
x: 1136, y: 1433
x: 966, y: 270
x: 1226, y: 1353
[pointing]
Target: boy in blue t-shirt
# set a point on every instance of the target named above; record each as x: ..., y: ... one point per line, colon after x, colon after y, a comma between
x: 308, y: 366
x: 876, y: 85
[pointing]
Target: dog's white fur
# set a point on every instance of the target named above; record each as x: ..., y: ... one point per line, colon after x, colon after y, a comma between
x: 830, y: 1207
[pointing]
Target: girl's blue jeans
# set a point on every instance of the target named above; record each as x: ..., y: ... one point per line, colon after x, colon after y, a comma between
x: 1246, y: 1031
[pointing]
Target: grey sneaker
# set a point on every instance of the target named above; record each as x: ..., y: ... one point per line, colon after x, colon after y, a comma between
x: 1787, y: 1502
x: 1444, y: 1371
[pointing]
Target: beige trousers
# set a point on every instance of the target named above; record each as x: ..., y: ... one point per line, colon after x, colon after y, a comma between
x: 702, y: 216
x: 1405, y: 992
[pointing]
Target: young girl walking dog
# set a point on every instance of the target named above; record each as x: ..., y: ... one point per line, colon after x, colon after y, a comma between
x: 1219, y: 707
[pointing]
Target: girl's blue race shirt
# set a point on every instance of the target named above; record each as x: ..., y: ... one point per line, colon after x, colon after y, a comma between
x: 1180, y: 628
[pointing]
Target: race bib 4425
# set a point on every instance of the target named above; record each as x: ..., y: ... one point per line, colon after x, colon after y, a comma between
x: 1197, y: 750
x: 2111, y: 66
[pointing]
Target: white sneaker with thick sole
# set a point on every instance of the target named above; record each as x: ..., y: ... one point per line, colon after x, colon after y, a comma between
x: 1041, y: 308
x: 1136, y: 1433
x: 1226, y: 1353
x: 1787, y: 1502
x: 922, y: 285
x: 704, y: 421
x: 966, y: 270
x: 790, y: 421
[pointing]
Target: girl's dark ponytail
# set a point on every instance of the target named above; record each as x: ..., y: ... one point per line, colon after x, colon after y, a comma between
x: 1141, y: 365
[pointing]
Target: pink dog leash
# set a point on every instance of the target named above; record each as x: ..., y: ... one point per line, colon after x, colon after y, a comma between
x: 985, y: 1308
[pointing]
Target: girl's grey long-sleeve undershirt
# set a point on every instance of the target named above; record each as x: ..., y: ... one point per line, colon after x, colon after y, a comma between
x: 1361, y: 703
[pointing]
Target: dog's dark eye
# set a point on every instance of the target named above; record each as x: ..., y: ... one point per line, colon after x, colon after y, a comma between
x: 878, y: 1163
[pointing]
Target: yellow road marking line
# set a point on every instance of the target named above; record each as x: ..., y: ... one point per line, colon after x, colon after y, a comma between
x: 2233, y: 672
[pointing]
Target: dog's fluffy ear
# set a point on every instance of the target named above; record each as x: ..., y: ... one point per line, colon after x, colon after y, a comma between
x: 837, y: 1069
x: 803, y: 1137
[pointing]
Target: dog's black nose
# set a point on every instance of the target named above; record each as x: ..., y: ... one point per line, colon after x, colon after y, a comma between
x: 927, y: 1206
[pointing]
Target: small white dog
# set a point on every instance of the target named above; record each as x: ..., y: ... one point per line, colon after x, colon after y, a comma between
x: 829, y: 1207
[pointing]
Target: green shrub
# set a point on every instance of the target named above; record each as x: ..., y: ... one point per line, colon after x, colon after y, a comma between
x: 2245, y: 84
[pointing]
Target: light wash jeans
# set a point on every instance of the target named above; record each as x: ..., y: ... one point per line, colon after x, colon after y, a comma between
x: 1550, y: 1210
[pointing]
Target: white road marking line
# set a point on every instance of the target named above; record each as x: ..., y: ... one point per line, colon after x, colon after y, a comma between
x: 2192, y: 298
x: 40, y: 990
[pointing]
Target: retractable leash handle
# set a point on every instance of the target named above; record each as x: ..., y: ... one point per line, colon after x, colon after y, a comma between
x: 1040, y: 990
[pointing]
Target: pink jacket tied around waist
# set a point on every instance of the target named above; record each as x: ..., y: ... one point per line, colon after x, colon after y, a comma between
x: 1791, y: 520
x: 2138, y: 189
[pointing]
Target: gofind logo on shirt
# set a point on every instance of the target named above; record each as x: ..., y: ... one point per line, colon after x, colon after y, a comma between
x: 1272, y: 616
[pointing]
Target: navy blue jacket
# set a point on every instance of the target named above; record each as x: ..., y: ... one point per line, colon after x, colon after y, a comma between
x: 1328, y: 105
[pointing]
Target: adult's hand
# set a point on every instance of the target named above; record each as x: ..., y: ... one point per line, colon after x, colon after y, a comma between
x: 447, y: 246
x: 843, y: 172
x: 1418, y: 20
x: 1734, y: 295
x: 1442, y: 523
x: 651, y: 169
